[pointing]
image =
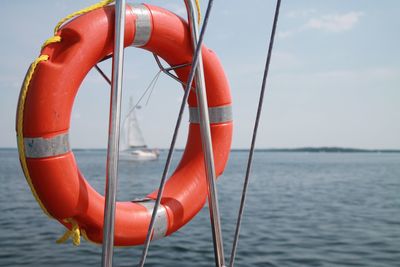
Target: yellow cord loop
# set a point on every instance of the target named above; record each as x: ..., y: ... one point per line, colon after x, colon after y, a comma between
x: 24, y: 90
x: 51, y: 40
x: 20, y: 120
x: 74, y: 233
x: 198, y: 11
x: 81, y: 12
x: 56, y: 38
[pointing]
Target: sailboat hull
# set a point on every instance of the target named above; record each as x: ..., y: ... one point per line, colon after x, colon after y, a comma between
x: 138, y: 155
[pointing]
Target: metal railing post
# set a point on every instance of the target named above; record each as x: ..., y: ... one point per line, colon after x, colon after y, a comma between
x: 206, y: 141
x: 113, y: 136
x: 171, y: 150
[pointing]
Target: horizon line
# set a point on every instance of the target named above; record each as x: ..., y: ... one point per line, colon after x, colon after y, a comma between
x: 300, y: 148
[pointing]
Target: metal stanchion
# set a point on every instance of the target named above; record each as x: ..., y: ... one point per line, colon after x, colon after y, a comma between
x: 171, y: 150
x: 206, y: 141
x: 113, y: 136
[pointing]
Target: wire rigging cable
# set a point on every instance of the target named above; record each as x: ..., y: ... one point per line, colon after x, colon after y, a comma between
x: 253, y: 141
x: 175, y: 134
x: 153, y: 81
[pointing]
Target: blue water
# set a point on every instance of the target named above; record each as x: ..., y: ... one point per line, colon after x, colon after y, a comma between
x: 303, y: 209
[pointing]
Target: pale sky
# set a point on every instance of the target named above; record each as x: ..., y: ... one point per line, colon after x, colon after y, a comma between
x: 334, y: 76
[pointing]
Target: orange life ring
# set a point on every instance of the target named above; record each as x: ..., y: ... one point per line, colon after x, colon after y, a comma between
x: 51, y: 170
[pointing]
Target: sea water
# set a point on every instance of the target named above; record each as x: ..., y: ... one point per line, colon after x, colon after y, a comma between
x: 303, y: 209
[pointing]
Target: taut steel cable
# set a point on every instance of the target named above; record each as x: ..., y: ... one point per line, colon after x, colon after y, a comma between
x: 253, y: 141
x: 175, y: 134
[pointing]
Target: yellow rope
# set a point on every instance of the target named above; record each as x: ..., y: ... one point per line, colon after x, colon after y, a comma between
x: 198, y: 11
x: 81, y: 12
x: 53, y: 39
x: 74, y: 233
x: 20, y: 138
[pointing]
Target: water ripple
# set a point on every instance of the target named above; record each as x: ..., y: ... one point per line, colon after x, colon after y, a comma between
x: 302, y: 210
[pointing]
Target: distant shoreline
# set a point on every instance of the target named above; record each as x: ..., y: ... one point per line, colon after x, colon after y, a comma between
x: 324, y: 150
x: 301, y: 149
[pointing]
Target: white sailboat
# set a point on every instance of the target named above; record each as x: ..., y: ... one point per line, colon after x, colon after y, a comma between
x: 135, y: 145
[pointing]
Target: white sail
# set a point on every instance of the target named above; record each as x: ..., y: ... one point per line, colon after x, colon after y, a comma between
x: 134, y: 146
x: 135, y: 136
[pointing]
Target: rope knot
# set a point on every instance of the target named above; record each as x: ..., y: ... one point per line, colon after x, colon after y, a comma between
x: 74, y: 233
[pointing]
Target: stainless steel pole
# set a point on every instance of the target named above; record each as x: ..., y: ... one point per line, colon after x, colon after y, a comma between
x: 171, y: 150
x: 207, y: 142
x: 113, y: 136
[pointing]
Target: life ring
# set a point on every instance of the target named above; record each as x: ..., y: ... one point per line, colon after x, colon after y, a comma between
x: 45, y: 112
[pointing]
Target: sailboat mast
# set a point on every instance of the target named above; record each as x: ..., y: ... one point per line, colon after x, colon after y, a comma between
x: 128, y: 130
